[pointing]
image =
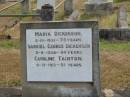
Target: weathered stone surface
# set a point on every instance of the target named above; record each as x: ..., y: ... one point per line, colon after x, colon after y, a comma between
x: 123, y: 92
x: 115, y: 33
x: 74, y: 16
x: 101, y: 8
x: 122, y: 17
x: 10, y: 92
x: 17, y: 92
x: 97, y: 1
x: 116, y: 93
x: 110, y: 93
x: 68, y: 7
x: 60, y: 91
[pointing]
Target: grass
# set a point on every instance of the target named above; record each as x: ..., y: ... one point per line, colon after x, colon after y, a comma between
x: 108, y: 21
x: 128, y: 18
x: 115, y: 45
x: 117, y: 1
x: 85, y: 16
x: 10, y: 65
x: 13, y: 10
x: 9, y: 44
x: 10, y: 68
x: 59, y: 15
x: 77, y: 5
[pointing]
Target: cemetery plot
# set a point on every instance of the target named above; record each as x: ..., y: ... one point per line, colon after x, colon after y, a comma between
x: 10, y: 71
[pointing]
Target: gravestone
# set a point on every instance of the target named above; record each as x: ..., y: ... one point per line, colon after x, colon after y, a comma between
x: 99, y: 7
x: 41, y: 3
x: 122, y: 17
x: 60, y: 59
x: 68, y: 7
x: 25, y: 6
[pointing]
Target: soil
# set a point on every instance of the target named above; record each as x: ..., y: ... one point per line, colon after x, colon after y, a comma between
x: 115, y: 69
x: 10, y: 67
x: 5, y: 21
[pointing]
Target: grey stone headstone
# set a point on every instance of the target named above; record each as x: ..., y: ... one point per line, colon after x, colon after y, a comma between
x: 62, y: 89
x: 122, y: 17
x: 68, y: 7
x: 97, y: 1
x: 99, y: 7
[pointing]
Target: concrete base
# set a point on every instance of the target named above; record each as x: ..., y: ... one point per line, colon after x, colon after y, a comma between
x: 11, y: 92
x: 59, y: 91
x: 102, y: 8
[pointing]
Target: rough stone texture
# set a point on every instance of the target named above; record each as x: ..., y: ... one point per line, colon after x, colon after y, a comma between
x: 122, y: 18
x: 116, y: 93
x: 115, y: 33
x: 25, y: 6
x: 110, y: 93
x: 17, y: 92
x: 68, y: 7
x: 10, y: 92
x: 102, y: 8
x: 74, y: 16
x: 97, y: 1
x: 60, y: 91
x: 123, y: 92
